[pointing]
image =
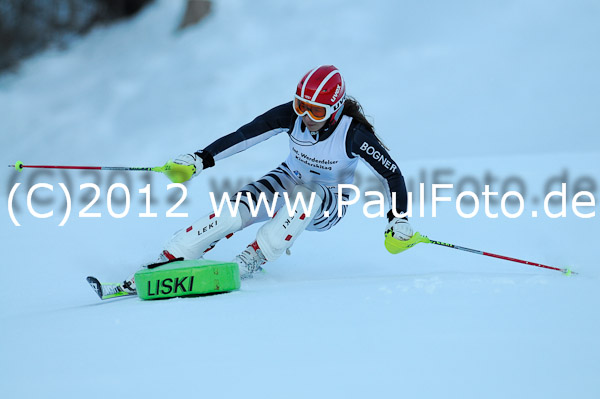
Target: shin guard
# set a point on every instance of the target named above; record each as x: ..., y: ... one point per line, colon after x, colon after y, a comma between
x: 193, y: 242
x: 279, y: 233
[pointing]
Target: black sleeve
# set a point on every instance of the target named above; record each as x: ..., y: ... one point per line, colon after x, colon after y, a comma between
x: 362, y: 143
x: 263, y: 127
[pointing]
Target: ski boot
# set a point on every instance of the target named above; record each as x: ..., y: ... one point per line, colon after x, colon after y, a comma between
x: 250, y: 261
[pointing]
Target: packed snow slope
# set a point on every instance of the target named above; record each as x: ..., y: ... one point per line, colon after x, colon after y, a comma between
x: 475, y: 93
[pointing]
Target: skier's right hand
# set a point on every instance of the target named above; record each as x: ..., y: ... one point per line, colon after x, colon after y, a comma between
x: 191, y: 159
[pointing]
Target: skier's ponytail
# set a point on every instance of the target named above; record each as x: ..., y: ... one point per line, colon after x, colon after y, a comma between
x: 353, y: 109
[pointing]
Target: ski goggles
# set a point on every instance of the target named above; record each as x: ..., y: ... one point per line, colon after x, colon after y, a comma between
x: 317, y: 112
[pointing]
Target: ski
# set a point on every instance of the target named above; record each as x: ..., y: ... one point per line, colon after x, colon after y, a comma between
x: 106, y: 290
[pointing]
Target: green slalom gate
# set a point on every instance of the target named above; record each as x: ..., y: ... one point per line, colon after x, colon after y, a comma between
x: 187, y: 277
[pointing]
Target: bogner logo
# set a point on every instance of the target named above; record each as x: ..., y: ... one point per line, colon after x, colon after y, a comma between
x: 370, y: 150
x: 168, y: 286
x: 337, y: 92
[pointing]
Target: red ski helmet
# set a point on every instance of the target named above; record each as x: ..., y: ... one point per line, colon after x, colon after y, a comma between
x: 321, y: 94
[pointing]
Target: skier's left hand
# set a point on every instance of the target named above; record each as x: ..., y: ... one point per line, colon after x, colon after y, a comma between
x: 400, y: 229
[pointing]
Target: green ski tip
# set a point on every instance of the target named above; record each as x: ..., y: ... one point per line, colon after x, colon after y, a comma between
x: 19, y: 166
x: 117, y: 294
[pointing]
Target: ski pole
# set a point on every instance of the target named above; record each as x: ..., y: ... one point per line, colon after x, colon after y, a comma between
x: 175, y: 172
x: 396, y: 246
x: 566, y: 270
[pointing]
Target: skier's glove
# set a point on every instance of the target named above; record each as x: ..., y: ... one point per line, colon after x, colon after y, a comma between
x: 399, y: 236
x: 191, y: 159
x: 399, y: 229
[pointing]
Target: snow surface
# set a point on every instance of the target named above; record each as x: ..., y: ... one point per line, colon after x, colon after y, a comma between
x: 458, y: 90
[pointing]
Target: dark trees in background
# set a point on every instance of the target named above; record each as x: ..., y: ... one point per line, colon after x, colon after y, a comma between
x: 195, y: 11
x: 28, y: 26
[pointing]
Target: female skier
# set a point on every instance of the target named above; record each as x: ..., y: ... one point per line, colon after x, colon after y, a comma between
x: 328, y: 134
